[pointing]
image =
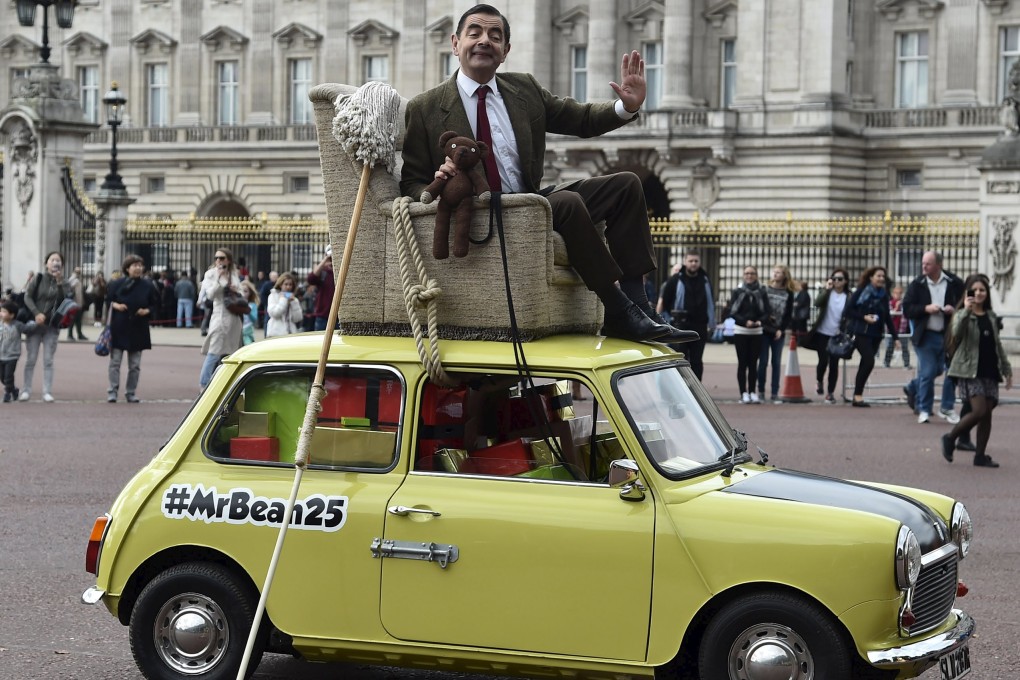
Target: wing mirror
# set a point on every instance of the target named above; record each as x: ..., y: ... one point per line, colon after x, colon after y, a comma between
x: 623, y: 475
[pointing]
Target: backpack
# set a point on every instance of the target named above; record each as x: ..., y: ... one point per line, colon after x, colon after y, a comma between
x: 24, y: 314
x: 65, y: 313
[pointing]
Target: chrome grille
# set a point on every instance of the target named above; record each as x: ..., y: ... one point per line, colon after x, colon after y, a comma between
x: 934, y: 594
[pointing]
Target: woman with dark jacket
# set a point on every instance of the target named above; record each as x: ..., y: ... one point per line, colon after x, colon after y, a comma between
x: 780, y: 292
x: 749, y: 309
x: 979, y: 363
x: 867, y: 313
x: 831, y: 303
x: 45, y: 291
x: 133, y: 301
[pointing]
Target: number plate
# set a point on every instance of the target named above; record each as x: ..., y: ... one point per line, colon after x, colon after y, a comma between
x: 956, y: 664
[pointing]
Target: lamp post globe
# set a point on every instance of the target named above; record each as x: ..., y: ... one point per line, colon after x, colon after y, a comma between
x: 64, y: 10
x: 114, y: 102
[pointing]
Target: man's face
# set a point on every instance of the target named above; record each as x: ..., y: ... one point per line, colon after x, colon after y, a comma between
x: 929, y: 267
x: 692, y: 263
x: 481, y: 47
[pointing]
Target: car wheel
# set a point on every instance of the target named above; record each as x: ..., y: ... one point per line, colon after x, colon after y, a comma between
x: 773, y: 635
x: 192, y: 621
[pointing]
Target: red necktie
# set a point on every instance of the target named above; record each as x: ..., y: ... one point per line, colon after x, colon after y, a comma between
x: 485, y: 135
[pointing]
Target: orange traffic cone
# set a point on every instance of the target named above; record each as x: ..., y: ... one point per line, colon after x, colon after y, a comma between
x: 791, y: 391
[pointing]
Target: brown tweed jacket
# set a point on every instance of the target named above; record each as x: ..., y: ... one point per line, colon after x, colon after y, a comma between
x: 533, y: 111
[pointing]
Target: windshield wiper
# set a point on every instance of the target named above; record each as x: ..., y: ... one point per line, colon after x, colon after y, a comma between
x: 741, y: 447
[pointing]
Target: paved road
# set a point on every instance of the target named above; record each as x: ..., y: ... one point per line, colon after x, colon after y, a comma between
x: 62, y: 464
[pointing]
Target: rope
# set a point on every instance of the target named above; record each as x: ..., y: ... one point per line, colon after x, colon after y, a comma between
x: 419, y: 291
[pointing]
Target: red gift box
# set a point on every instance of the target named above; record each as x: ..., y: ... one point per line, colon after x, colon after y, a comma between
x: 503, y: 460
x: 255, y: 448
x: 372, y: 398
x: 442, y: 423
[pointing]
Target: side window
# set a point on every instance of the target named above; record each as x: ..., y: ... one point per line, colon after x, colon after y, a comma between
x: 488, y: 425
x: 357, y: 427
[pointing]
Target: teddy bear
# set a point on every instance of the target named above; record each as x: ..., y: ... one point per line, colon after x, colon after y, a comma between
x: 456, y: 193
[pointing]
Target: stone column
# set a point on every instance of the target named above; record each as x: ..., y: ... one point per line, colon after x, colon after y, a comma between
x: 110, y: 223
x: 677, y: 42
x: 262, y: 50
x: 603, y: 51
x: 45, y: 128
x: 960, y: 19
x: 189, y: 50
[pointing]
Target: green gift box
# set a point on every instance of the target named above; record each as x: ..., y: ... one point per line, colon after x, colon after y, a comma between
x: 352, y: 447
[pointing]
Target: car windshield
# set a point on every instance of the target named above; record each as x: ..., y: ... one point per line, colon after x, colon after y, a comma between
x: 680, y: 426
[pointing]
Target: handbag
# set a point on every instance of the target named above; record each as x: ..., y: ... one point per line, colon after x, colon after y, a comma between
x: 235, y: 302
x: 103, y: 342
x: 841, y: 345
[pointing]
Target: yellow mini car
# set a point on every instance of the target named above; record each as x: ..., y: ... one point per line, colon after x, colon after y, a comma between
x: 596, y: 519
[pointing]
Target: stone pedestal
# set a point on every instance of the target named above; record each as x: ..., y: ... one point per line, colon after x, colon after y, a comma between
x: 45, y: 128
x: 1000, y: 217
x: 110, y: 223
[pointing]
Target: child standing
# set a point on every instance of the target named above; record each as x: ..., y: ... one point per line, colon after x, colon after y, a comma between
x: 902, y: 325
x: 10, y: 347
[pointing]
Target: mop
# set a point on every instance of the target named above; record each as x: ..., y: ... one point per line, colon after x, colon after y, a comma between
x: 366, y: 126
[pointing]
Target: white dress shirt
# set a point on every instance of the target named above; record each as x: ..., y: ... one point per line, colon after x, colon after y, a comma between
x: 508, y: 160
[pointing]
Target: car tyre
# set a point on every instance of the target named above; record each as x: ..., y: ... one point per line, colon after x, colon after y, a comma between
x: 770, y: 628
x: 192, y: 622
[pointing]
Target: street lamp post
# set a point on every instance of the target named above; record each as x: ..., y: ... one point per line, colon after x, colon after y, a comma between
x: 114, y: 102
x: 65, y: 14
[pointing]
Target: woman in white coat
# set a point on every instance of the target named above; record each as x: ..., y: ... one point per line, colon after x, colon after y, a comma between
x: 284, y: 308
x: 224, y: 327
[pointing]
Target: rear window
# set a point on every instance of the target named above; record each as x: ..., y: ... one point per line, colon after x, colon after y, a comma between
x: 357, y: 428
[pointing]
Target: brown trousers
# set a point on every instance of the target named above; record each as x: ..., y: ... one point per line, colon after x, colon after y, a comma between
x: 619, y: 200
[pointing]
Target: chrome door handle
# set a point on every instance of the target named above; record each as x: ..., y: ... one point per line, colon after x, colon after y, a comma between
x: 404, y: 511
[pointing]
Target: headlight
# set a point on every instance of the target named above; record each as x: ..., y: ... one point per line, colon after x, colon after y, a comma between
x: 908, y: 559
x: 962, y: 528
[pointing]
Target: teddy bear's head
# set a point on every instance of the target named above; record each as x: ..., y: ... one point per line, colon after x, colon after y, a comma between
x: 463, y: 151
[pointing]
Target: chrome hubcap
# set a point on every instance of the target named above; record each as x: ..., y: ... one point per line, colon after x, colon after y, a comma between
x: 191, y: 634
x: 769, y: 651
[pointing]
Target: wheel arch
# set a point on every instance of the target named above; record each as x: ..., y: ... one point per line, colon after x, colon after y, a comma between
x: 172, y: 557
x: 687, y: 654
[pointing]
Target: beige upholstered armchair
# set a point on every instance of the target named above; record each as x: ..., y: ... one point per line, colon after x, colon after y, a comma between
x: 548, y: 295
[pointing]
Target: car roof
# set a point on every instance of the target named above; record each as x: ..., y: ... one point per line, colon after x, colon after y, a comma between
x: 553, y: 352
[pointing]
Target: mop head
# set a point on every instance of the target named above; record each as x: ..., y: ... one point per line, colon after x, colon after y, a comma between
x: 366, y: 123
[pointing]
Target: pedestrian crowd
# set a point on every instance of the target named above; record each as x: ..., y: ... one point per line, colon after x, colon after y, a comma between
x: 132, y: 300
x: 948, y: 323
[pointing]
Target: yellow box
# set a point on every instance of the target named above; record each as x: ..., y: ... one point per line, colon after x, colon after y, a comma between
x: 354, y: 448
x: 256, y: 424
x: 451, y: 459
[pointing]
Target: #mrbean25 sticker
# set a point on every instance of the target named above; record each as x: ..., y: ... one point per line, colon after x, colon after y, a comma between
x: 241, y: 506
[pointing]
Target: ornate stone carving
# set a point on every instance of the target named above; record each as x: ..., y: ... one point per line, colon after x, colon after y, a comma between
x: 1004, y: 187
x: 24, y: 156
x: 703, y: 186
x: 1009, y: 114
x: 1003, y: 253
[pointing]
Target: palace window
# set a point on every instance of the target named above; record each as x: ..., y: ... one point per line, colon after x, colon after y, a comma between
x: 911, y: 70
x: 728, y: 73
x: 300, y: 83
x: 88, y: 91
x: 158, y: 94
x: 1009, y: 52
x: 376, y: 67
x: 228, y: 93
x: 653, y: 73
x: 579, y: 73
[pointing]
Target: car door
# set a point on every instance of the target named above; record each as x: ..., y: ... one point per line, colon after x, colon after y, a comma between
x: 554, y: 567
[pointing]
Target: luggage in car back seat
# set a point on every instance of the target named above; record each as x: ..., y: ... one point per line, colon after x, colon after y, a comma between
x: 377, y: 399
x: 441, y: 423
x: 503, y: 460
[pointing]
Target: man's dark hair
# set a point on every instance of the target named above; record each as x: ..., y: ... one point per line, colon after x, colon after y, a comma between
x: 485, y: 9
x: 693, y: 251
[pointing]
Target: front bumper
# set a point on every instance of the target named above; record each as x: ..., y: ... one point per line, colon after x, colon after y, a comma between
x: 925, y: 653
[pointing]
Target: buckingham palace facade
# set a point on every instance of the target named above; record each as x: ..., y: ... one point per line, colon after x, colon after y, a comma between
x: 755, y: 108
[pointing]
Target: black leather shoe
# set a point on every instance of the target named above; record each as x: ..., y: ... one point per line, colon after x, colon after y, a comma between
x: 965, y: 445
x: 947, y: 448
x: 633, y: 324
x: 911, y: 401
x: 985, y: 461
x: 860, y: 403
